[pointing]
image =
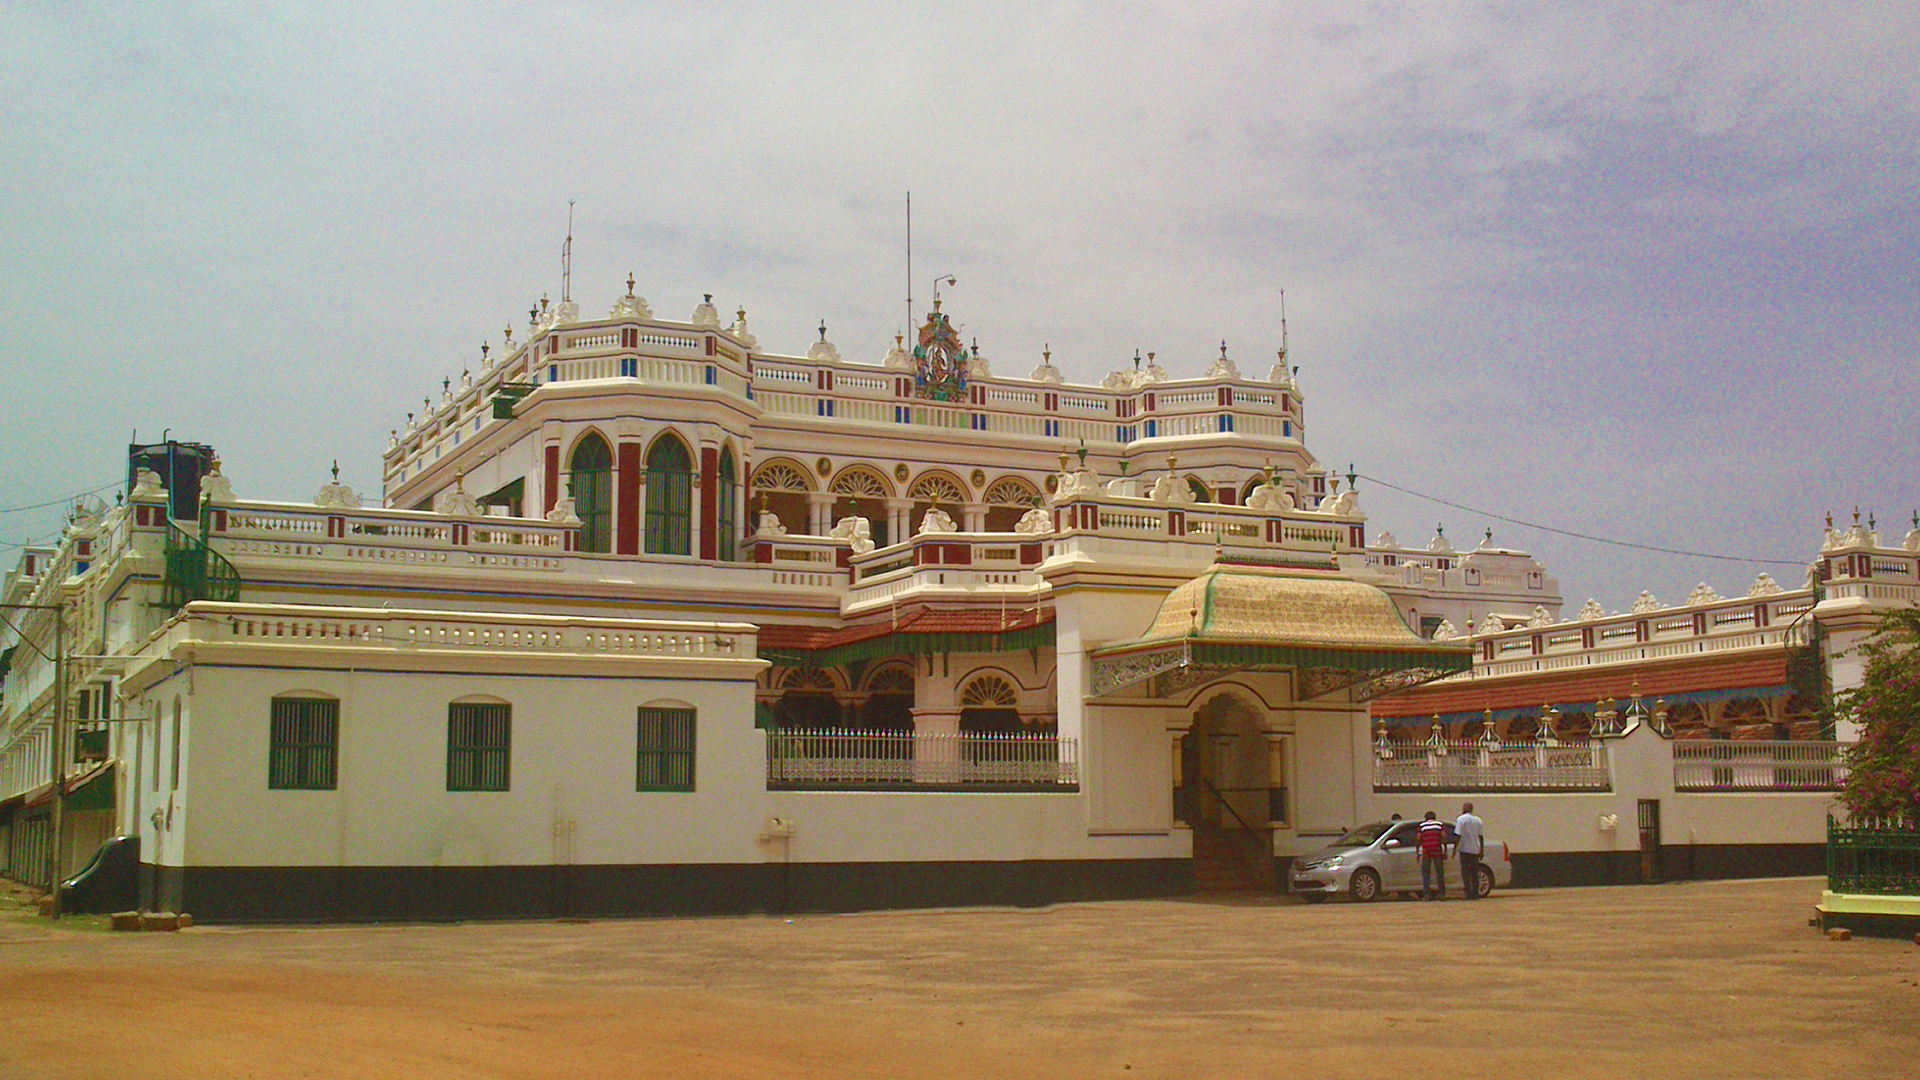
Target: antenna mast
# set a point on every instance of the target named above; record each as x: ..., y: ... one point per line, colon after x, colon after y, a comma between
x: 1283, y: 320
x: 909, y: 261
x: 566, y: 259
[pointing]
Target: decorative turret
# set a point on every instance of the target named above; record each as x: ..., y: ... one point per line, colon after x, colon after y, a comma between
x: 823, y: 349
x: 1046, y: 372
x: 705, y: 315
x: 630, y: 306
x: 745, y: 337
x: 1223, y: 368
x: 897, y: 358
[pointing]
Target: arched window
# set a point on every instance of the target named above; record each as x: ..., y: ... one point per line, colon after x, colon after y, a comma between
x: 1007, y: 501
x: 864, y: 492
x: 987, y: 704
x: 1201, y: 492
x: 592, y: 489
x: 807, y: 700
x: 889, y: 702
x: 728, y: 501
x: 669, y: 498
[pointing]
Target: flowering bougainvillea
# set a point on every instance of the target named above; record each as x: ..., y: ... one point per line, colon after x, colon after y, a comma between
x: 1885, y: 774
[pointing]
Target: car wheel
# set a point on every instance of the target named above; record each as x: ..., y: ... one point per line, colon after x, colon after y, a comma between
x: 1482, y: 882
x: 1365, y: 886
x: 1312, y: 897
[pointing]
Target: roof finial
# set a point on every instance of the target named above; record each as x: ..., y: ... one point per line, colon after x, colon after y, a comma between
x: 823, y: 330
x: 509, y: 335
x: 336, y: 470
x: 1829, y: 521
x: 1083, y: 454
x: 483, y: 350
x: 1871, y: 525
x: 1353, y: 478
x: 1440, y: 530
x: 1489, y: 536
x: 1136, y: 359
x: 1223, y: 348
x: 446, y: 384
x: 1856, y: 514
x: 629, y: 283
x: 1046, y: 352
x: 976, y: 346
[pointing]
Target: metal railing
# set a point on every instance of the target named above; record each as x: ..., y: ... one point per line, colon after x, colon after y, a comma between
x: 800, y: 758
x: 1754, y: 765
x: 1874, y: 857
x: 1486, y: 765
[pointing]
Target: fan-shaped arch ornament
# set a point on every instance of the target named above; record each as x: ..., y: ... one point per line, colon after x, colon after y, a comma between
x: 936, y: 488
x: 861, y: 482
x: 988, y: 691
x: 1012, y: 492
x: 780, y: 476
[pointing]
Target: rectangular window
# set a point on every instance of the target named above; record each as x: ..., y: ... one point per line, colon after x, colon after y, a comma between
x: 479, y: 747
x: 665, y: 758
x: 303, y: 753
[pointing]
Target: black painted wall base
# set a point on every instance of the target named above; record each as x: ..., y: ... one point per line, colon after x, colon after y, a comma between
x: 381, y: 893
x: 1677, y: 862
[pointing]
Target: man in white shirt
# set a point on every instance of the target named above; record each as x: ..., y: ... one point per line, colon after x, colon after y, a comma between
x: 1471, y: 843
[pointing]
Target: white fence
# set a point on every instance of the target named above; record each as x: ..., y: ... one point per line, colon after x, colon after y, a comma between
x: 1743, y: 765
x: 1492, y: 766
x: 806, y: 758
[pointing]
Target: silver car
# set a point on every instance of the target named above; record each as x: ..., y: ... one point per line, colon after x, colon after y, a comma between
x: 1383, y: 859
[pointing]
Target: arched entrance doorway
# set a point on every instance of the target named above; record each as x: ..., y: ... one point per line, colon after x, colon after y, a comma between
x: 1231, y: 792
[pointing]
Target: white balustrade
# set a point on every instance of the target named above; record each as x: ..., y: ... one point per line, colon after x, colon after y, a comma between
x: 1491, y: 765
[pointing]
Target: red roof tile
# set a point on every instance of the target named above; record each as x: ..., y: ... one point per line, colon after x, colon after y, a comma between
x: 916, y: 620
x: 1656, y: 680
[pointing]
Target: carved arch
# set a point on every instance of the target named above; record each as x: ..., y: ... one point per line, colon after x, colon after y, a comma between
x: 862, y: 481
x: 1013, y: 491
x: 780, y: 474
x: 938, y: 487
x: 988, y: 692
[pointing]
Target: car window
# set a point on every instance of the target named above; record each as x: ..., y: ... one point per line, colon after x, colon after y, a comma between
x: 1362, y: 836
x: 1408, y: 833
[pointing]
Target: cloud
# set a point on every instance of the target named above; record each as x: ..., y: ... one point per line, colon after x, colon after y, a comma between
x: 1646, y: 269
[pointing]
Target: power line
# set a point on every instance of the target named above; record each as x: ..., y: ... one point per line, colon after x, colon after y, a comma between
x: 64, y: 498
x: 1580, y: 535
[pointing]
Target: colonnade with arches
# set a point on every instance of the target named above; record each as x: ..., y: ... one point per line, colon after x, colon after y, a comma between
x: 1003, y: 695
x: 808, y: 500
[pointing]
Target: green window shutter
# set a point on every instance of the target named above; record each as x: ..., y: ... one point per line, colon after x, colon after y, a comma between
x: 664, y: 761
x: 303, y: 752
x: 479, y: 747
x: 669, y: 516
x: 591, y: 482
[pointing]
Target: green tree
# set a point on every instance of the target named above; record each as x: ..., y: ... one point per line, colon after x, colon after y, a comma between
x: 1884, y: 779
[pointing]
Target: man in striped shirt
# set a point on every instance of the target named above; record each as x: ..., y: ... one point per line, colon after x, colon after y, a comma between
x: 1433, y: 858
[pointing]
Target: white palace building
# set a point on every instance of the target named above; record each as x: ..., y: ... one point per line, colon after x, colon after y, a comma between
x: 651, y: 620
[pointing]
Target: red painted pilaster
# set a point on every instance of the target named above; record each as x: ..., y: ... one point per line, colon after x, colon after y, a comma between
x: 551, y: 486
x: 627, y: 510
x: 710, y: 501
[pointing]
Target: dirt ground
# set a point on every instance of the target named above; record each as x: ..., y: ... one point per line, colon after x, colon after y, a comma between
x: 1698, y: 980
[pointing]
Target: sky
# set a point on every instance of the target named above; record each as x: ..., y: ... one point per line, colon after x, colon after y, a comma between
x: 1638, y: 271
